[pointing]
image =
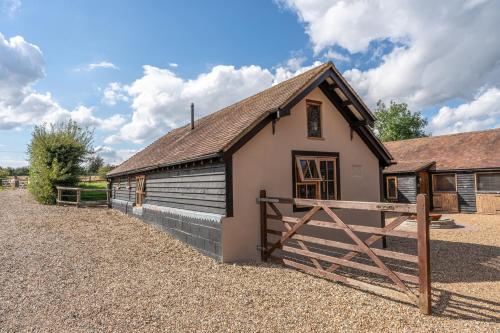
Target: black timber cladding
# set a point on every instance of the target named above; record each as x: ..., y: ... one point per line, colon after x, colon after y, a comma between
x: 407, y: 187
x: 201, y: 188
x: 466, y: 191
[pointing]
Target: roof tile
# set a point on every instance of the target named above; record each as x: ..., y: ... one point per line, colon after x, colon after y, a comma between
x: 217, y: 131
x: 471, y: 150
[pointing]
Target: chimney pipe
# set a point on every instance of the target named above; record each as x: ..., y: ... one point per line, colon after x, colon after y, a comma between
x: 192, y: 115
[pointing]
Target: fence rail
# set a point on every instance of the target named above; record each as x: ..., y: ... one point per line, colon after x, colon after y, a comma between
x: 316, y: 251
x: 76, y: 192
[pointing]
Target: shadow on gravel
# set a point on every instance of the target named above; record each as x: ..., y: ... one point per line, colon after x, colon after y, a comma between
x: 456, y: 306
x: 456, y: 262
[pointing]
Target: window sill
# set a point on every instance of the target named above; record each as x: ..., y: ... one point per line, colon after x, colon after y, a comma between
x: 315, y: 138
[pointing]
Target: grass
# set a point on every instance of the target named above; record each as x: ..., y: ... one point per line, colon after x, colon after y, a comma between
x: 93, y: 196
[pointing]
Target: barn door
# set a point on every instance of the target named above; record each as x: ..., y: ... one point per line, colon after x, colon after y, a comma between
x: 139, y: 190
x: 423, y: 182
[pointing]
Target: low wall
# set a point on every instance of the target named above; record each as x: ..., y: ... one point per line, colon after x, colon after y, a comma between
x: 200, y: 230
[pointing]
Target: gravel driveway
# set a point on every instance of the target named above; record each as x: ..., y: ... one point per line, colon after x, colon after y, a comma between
x: 64, y: 269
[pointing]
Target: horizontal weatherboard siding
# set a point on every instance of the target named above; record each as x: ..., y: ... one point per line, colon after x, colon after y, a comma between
x: 466, y: 192
x: 407, y: 187
x: 201, y: 188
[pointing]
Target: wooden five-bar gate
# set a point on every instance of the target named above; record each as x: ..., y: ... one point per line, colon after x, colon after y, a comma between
x: 295, y: 249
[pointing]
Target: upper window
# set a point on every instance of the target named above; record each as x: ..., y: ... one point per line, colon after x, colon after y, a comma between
x: 313, y: 119
x: 488, y: 182
x: 444, y: 183
x: 316, y: 177
x: 392, y: 187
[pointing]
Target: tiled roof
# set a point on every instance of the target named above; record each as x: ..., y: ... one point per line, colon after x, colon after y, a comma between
x: 471, y: 150
x: 413, y: 166
x: 217, y: 132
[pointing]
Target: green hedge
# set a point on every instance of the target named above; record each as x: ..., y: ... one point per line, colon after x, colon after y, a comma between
x: 56, y: 154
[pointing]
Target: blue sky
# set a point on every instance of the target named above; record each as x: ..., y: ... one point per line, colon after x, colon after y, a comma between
x: 130, y: 69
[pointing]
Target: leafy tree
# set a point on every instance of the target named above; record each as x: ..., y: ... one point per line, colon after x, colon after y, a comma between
x: 397, y: 122
x: 4, y: 173
x: 19, y: 171
x: 56, y: 155
x: 95, y: 162
x: 104, y: 170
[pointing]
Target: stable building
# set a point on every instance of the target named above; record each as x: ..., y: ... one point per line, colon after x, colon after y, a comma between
x: 307, y: 137
x: 460, y: 172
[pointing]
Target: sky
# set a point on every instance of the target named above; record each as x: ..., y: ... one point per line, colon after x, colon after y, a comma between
x: 130, y: 69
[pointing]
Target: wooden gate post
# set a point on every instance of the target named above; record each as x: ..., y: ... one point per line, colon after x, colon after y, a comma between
x: 59, y: 195
x: 78, y: 198
x: 108, y: 194
x: 263, y: 226
x: 424, y: 274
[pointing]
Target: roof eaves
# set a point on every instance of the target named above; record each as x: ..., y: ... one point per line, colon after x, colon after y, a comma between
x: 164, y: 165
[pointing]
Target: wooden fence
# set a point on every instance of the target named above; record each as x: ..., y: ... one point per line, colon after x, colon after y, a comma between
x: 91, y: 179
x: 13, y: 182
x: 73, y: 196
x: 292, y: 245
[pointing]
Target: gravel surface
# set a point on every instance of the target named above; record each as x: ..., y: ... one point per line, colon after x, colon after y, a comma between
x: 64, y: 269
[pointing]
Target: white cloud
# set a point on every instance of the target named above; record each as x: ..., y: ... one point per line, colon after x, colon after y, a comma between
x: 21, y: 66
x: 173, y: 65
x: 10, y: 7
x: 482, y: 113
x: 161, y: 100
x: 442, y: 50
x: 102, y: 64
x: 115, y: 93
x: 114, y: 156
x: 337, y: 56
x: 286, y: 72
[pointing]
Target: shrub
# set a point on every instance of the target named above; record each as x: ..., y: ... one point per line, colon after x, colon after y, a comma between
x: 56, y: 154
x: 104, y: 170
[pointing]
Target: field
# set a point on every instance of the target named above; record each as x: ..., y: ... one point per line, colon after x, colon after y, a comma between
x: 93, y: 196
x: 68, y: 269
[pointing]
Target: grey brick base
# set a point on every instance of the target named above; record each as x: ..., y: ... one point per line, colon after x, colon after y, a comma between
x: 200, y: 230
x: 122, y: 206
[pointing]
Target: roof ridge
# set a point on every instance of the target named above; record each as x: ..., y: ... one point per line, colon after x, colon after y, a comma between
x: 271, y: 87
x: 445, y: 135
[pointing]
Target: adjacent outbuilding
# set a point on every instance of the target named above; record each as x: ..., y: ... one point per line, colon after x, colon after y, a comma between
x: 460, y: 172
x: 307, y: 137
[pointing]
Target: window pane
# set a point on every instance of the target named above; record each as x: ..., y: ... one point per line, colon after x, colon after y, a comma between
x: 444, y: 183
x: 309, y: 169
x: 488, y: 182
x: 331, y: 191
x: 313, y: 121
x: 311, y: 191
x: 306, y: 191
x: 301, y: 191
x: 391, y: 188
